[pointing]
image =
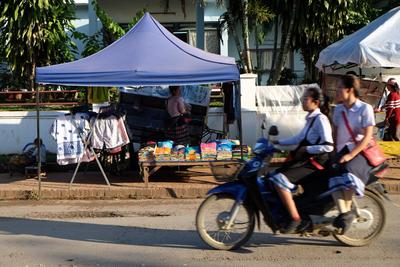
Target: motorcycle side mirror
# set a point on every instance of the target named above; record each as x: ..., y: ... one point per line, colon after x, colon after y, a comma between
x: 263, y: 125
x: 273, y: 130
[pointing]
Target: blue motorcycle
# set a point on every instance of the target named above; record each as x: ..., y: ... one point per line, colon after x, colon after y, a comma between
x: 226, y: 219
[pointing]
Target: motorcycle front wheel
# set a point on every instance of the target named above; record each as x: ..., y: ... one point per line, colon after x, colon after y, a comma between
x: 369, y: 225
x: 212, y: 222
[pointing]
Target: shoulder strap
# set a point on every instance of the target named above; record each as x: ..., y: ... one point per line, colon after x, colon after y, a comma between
x: 346, y: 122
x: 309, y: 127
x: 319, y: 138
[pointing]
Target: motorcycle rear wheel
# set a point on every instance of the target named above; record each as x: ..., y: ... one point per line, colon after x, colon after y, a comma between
x: 373, y: 223
x: 212, y: 216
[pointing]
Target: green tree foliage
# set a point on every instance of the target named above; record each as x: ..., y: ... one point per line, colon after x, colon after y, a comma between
x: 311, y: 25
x: 321, y: 23
x: 183, y: 5
x: 286, y: 11
x: 34, y: 33
x: 240, y: 19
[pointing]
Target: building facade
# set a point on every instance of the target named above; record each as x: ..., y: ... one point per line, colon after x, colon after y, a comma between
x: 184, y: 22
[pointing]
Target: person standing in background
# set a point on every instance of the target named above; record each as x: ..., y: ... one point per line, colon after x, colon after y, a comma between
x: 381, y: 105
x: 392, y: 106
x: 177, y: 128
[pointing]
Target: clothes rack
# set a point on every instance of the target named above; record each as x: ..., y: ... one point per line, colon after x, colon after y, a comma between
x: 86, y: 142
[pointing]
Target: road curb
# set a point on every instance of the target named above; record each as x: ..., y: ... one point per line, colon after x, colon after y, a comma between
x: 138, y: 193
x: 393, y: 187
x: 190, y: 192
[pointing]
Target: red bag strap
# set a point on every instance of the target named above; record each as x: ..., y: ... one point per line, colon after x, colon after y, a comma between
x: 316, y: 164
x: 346, y: 122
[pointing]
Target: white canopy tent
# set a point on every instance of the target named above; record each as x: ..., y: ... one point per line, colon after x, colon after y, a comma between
x: 375, y: 45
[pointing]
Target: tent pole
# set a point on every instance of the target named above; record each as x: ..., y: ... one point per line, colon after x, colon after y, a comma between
x: 39, y: 163
x: 238, y: 97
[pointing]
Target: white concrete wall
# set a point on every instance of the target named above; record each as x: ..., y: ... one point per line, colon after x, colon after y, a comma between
x: 17, y: 128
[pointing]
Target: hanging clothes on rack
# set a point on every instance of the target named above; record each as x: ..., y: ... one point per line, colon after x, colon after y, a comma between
x: 229, y: 102
x: 109, y: 131
x: 98, y: 97
x: 67, y: 131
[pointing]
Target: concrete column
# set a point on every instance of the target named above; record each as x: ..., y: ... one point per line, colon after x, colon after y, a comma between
x: 199, y: 25
x: 248, y: 90
x: 250, y: 122
x: 92, y: 18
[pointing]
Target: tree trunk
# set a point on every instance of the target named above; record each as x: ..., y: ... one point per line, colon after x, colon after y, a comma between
x: 232, y: 31
x: 283, y: 50
x: 32, y: 76
x: 245, y: 36
x: 306, y: 60
x: 258, y: 55
x: 309, y: 54
x: 32, y: 67
x: 275, y: 52
x: 314, y: 71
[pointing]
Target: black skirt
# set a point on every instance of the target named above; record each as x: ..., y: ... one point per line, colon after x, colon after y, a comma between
x: 177, y: 131
x: 358, y: 166
x: 296, y: 171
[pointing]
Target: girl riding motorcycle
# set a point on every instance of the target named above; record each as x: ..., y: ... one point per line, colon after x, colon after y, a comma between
x: 314, y: 143
x: 353, y: 170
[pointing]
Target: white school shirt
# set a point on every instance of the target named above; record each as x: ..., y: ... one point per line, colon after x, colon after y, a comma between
x: 320, y: 131
x: 360, y: 116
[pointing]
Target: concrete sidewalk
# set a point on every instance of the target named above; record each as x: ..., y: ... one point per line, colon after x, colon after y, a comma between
x: 193, y: 183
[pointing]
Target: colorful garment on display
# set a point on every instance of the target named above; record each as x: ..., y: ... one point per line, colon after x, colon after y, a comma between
x: 98, y: 95
x: 109, y: 133
x: 192, y: 94
x: 66, y: 131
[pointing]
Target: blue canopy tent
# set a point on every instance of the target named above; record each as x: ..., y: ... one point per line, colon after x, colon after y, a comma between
x: 146, y: 55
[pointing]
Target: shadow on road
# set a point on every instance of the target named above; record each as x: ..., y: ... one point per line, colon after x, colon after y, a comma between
x: 138, y: 236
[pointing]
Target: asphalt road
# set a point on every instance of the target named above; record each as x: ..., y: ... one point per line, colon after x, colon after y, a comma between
x: 162, y: 233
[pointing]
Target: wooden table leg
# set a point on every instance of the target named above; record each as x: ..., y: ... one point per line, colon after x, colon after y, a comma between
x: 141, y: 170
x: 154, y: 170
x: 146, y: 176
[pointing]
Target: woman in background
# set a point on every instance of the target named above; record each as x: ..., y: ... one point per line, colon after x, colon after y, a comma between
x: 392, y: 107
x: 177, y: 128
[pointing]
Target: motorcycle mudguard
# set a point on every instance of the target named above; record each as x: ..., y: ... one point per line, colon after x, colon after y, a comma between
x: 379, y: 190
x: 237, y: 189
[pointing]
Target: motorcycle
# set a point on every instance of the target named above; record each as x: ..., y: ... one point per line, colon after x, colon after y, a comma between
x: 226, y: 219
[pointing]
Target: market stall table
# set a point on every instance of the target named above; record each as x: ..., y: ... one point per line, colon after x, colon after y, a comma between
x: 148, y: 168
